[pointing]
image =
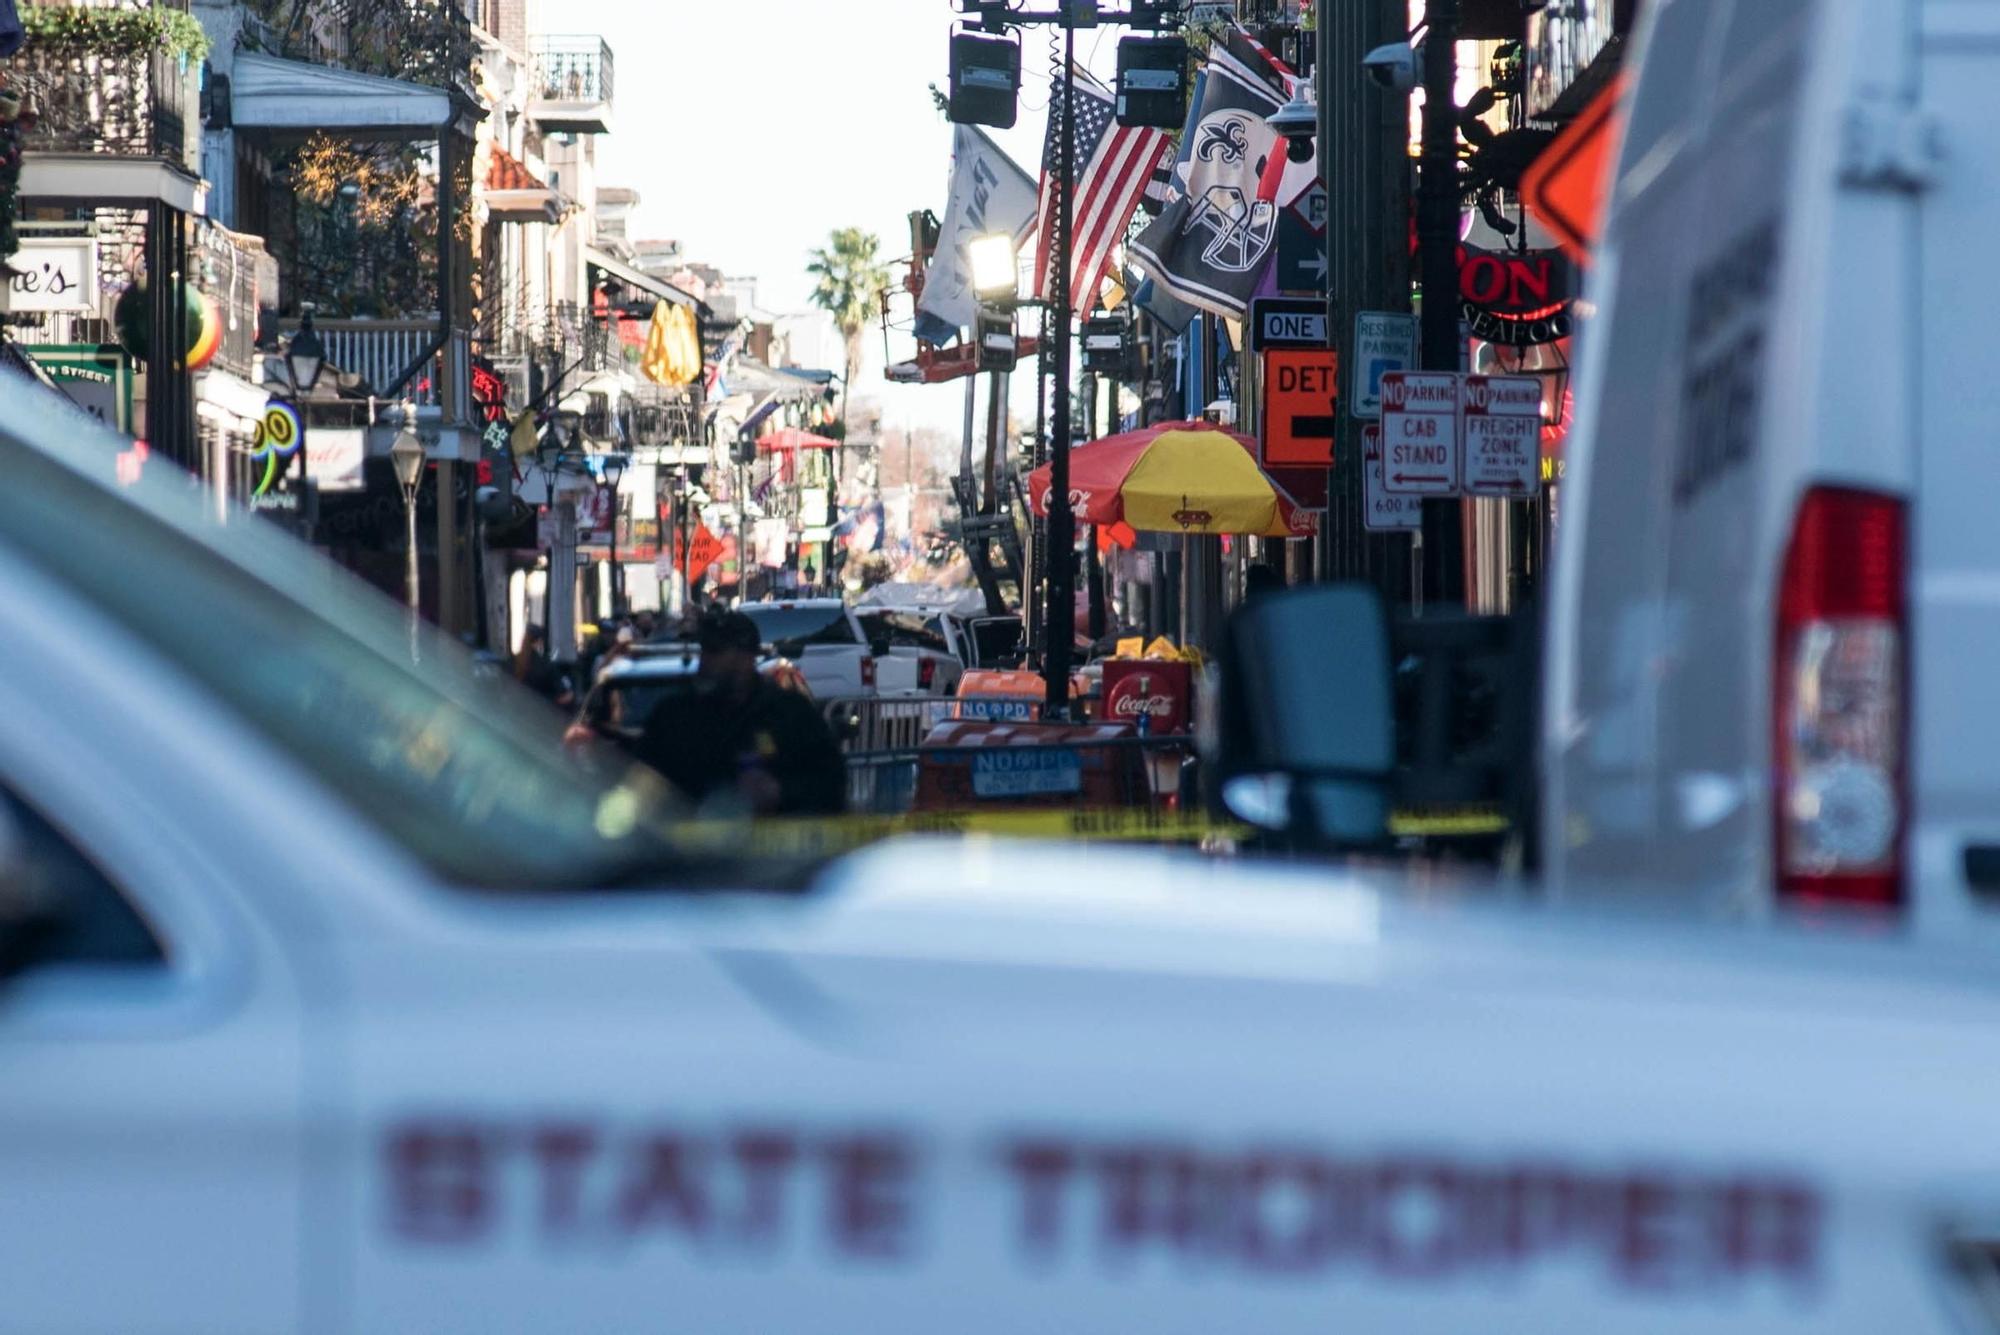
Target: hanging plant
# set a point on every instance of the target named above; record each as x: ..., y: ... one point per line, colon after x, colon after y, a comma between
x: 119, y: 32
x: 14, y: 118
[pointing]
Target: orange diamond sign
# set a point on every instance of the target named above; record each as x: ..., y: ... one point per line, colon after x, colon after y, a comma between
x: 1566, y: 187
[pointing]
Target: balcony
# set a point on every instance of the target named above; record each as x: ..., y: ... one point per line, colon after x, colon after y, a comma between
x: 380, y: 351
x: 572, y: 86
x: 111, y: 126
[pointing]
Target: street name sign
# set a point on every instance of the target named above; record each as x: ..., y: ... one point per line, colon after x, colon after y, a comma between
x: 1301, y: 386
x: 1383, y: 512
x: 1502, y: 426
x: 1420, y: 432
x: 1384, y: 341
x: 1287, y: 322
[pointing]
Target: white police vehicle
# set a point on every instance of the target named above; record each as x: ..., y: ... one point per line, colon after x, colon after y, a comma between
x: 336, y: 1001
x: 1777, y: 585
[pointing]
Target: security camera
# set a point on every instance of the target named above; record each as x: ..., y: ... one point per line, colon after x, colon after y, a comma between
x: 1394, y: 66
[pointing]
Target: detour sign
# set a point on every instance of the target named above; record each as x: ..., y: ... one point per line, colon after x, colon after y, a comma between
x: 1301, y: 386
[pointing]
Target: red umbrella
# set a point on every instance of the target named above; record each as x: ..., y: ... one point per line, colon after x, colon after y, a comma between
x: 791, y: 438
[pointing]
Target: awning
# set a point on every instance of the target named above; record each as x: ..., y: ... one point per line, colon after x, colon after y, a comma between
x: 791, y: 438
x: 296, y: 96
x: 513, y: 194
x: 625, y: 273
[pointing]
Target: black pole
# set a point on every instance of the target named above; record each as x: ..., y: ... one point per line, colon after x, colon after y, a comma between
x: 1062, y: 524
x: 1437, y: 245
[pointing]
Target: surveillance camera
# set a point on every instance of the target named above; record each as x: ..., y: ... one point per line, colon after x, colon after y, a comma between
x: 1394, y: 66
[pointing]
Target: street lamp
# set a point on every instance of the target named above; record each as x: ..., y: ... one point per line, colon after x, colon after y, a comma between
x: 614, y: 473
x: 407, y: 454
x: 1297, y: 122
x: 996, y: 268
x: 305, y: 355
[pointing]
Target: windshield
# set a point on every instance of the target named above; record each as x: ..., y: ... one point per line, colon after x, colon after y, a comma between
x: 782, y: 623
x: 470, y: 778
x: 910, y: 630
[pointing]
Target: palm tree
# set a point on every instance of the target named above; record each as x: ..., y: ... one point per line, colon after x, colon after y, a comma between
x: 850, y: 281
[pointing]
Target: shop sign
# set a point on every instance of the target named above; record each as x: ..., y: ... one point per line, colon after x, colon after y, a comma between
x: 1517, y: 299
x: 489, y: 393
x: 53, y: 273
x: 334, y: 457
x: 97, y: 379
x: 1564, y: 36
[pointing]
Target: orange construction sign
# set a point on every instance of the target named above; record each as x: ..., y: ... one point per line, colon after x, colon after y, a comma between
x: 697, y: 556
x: 1566, y: 187
x: 1301, y: 387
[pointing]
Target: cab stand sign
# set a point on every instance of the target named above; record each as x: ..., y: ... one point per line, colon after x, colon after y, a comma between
x: 1450, y: 434
x: 1420, y: 441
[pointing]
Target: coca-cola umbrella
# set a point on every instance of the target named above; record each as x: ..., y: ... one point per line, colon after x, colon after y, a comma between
x: 1175, y: 477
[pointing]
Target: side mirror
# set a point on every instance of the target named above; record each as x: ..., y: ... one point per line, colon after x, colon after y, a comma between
x: 1306, y: 746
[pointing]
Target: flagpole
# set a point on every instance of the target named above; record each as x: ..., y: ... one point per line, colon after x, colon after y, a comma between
x: 1062, y: 523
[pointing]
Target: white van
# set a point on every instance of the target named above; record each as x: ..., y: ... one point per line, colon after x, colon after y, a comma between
x: 1776, y: 608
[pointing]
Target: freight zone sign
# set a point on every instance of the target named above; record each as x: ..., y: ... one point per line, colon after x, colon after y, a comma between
x: 1420, y: 432
x: 1503, y: 435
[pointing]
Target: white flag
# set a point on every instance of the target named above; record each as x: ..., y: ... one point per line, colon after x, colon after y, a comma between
x: 989, y: 193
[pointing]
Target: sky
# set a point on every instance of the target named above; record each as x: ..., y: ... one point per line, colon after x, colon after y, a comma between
x: 753, y: 129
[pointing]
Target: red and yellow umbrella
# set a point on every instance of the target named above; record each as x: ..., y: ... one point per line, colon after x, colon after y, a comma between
x: 1176, y: 477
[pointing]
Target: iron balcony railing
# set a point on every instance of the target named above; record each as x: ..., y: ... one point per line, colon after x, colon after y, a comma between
x: 112, y: 103
x: 574, y: 69
x: 380, y: 351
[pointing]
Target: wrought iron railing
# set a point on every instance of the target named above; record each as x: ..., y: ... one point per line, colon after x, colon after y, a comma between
x: 116, y: 103
x: 381, y: 351
x: 573, y: 69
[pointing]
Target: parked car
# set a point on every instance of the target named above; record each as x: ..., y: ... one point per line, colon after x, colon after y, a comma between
x: 632, y: 687
x: 1776, y: 595
x: 824, y: 638
x: 927, y: 651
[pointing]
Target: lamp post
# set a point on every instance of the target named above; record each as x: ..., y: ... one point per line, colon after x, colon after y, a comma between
x: 407, y: 454
x: 305, y: 354
x: 614, y: 473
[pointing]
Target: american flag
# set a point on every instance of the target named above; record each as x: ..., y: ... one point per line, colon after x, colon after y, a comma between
x: 1114, y: 165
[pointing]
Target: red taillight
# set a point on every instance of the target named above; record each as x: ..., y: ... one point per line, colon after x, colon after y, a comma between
x: 926, y: 673
x: 867, y: 671
x: 1840, y: 706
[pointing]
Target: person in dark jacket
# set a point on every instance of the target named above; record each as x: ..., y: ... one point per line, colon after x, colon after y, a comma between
x: 736, y: 733
x: 1262, y: 579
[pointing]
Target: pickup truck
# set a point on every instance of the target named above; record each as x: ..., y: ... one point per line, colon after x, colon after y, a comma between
x: 333, y: 998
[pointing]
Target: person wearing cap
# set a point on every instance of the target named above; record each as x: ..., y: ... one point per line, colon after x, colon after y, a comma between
x: 738, y: 738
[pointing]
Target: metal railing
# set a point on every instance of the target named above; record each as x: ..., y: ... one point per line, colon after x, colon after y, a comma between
x: 380, y: 351
x: 114, y: 103
x: 885, y: 749
x: 574, y: 69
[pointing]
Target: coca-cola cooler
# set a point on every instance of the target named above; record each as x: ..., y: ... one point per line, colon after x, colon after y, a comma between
x: 1161, y: 693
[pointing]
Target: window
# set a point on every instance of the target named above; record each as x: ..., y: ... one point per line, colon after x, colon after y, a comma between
x: 907, y: 630
x: 469, y: 780
x: 807, y: 623
x: 94, y: 924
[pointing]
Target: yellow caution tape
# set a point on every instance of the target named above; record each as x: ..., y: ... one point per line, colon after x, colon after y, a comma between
x: 831, y: 835
x: 1449, y: 822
